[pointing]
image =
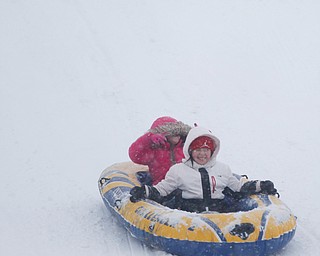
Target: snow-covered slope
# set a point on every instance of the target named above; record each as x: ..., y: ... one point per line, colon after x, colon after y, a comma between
x: 81, y: 80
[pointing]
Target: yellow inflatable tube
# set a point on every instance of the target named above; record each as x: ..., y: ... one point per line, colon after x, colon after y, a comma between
x: 261, y: 231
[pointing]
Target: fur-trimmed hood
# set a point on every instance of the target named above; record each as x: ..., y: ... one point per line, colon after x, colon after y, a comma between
x: 169, y: 127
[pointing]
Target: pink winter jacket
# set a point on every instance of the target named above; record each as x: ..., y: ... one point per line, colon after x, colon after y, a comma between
x: 159, y: 159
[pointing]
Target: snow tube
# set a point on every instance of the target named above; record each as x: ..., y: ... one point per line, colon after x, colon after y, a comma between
x: 263, y: 230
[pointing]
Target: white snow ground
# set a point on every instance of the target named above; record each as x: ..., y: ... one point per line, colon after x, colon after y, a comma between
x: 81, y: 80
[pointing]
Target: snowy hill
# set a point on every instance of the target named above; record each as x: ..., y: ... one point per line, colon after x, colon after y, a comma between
x: 81, y: 80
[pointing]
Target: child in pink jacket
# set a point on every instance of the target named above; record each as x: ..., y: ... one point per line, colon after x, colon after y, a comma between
x: 161, y: 147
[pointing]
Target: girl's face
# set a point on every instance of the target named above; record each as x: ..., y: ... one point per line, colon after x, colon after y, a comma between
x: 173, y: 140
x: 201, y: 155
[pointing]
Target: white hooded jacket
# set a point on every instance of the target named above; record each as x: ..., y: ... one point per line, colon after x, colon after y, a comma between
x: 186, y: 175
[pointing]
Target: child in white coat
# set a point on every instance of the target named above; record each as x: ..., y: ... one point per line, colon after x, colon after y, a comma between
x: 200, y: 177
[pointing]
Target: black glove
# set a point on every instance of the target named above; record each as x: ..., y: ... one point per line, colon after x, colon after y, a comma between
x: 137, y: 193
x: 267, y: 187
x: 249, y: 188
x: 228, y: 192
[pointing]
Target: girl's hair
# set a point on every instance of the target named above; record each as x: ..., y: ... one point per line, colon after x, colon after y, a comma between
x: 191, y: 159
